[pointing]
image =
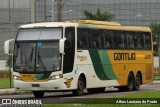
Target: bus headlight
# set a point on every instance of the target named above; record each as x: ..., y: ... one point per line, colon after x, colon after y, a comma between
x: 53, y: 77
x: 17, y: 77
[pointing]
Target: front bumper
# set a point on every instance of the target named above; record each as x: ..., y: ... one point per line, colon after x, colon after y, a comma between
x: 51, y: 85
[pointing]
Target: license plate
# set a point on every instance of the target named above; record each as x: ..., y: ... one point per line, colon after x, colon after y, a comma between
x: 35, y: 85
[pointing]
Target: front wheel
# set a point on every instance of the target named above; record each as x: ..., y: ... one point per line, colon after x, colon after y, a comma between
x: 80, y: 87
x: 38, y: 94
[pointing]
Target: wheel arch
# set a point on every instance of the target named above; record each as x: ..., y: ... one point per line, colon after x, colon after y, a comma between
x: 131, y: 72
x: 84, y: 78
x: 81, y: 85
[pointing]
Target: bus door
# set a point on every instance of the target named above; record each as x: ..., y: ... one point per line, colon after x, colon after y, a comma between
x: 68, y: 60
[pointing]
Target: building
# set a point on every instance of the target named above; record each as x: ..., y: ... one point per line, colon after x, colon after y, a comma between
x: 127, y: 12
x: 14, y: 13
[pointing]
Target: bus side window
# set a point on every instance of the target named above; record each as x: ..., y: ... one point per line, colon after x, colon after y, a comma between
x: 82, y: 39
x: 147, y: 40
x: 139, y: 41
x: 120, y: 40
x: 130, y: 40
x: 85, y: 40
x: 95, y: 39
x: 79, y: 40
x: 108, y: 39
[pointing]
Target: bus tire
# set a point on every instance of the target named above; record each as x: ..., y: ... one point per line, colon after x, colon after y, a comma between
x: 38, y: 94
x: 80, y: 87
x: 137, y: 82
x: 130, y: 82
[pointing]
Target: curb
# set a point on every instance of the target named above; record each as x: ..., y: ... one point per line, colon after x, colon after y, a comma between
x: 156, y: 82
x: 14, y: 92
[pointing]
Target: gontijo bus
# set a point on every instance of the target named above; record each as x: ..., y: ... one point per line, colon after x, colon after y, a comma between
x: 81, y: 54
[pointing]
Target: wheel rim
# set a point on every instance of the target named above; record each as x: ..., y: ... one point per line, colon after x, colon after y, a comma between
x: 137, y: 80
x: 80, y: 85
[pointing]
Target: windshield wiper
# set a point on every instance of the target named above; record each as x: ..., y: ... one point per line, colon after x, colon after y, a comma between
x: 40, y: 60
x: 30, y: 58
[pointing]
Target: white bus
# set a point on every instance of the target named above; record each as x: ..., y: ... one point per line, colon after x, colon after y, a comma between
x: 78, y: 55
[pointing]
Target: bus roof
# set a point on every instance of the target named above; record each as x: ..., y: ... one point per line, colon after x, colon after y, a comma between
x: 88, y: 24
x: 95, y: 22
x: 48, y: 24
x: 109, y: 25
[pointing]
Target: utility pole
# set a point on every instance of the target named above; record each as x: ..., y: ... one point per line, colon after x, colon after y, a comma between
x: 59, y: 10
x: 45, y: 10
x: 33, y: 11
x: 53, y: 10
x: 10, y: 29
x: 159, y: 47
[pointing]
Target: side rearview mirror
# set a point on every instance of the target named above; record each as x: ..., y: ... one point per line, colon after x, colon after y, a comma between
x: 7, y: 47
x: 61, y: 45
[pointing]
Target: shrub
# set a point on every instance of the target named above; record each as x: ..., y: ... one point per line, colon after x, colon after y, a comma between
x: 4, y: 74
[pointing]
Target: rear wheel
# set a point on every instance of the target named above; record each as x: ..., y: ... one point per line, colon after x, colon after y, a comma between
x: 137, y: 82
x: 38, y: 94
x: 80, y: 87
x: 130, y: 82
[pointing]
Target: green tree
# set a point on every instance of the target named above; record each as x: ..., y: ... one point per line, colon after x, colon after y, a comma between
x: 101, y: 16
x: 155, y: 27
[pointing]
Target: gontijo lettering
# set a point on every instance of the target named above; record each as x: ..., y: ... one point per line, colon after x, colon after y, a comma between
x: 124, y: 56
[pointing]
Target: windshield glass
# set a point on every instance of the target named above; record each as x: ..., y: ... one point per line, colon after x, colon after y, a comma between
x: 36, y: 56
x: 39, y: 34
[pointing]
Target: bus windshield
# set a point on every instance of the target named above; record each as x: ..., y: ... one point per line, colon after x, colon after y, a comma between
x: 34, y: 55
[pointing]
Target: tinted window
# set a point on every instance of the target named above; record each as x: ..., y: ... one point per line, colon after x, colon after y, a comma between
x: 69, y: 50
x: 120, y: 40
x: 139, y: 41
x: 108, y: 39
x: 130, y: 40
x: 147, y: 40
x: 95, y: 39
x: 83, y: 39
